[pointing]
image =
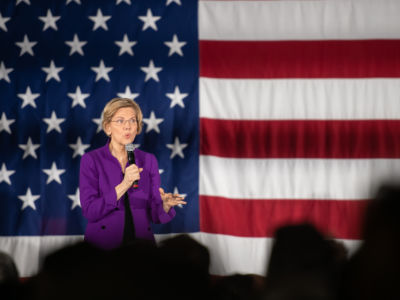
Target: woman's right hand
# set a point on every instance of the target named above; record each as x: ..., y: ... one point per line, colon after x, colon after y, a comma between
x: 132, y: 173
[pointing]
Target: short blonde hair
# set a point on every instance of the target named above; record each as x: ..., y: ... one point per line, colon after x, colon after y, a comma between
x: 114, y: 105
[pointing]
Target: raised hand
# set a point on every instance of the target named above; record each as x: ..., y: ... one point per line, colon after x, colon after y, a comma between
x: 170, y: 200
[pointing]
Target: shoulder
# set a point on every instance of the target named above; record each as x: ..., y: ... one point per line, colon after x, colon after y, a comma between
x: 94, y: 155
x: 146, y: 158
x: 143, y: 154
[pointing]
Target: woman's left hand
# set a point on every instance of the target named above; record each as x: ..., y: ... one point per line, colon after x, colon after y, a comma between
x: 170, y: 200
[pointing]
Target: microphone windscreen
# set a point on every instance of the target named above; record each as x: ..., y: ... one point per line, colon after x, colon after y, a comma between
x: 129, y: 147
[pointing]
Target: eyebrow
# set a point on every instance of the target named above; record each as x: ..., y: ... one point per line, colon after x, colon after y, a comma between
x: 124, y: 118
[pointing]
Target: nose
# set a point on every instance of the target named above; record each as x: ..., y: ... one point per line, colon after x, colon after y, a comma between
x: 127, y: 124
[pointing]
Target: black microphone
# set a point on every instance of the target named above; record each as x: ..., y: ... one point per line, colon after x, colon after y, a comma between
x: 131, y: 159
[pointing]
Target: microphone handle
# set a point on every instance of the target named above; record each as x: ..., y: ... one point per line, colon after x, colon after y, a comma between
x: 131, y: 160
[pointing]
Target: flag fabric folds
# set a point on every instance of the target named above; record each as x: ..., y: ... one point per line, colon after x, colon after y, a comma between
x: 299, y: 120
x: 262, y: 113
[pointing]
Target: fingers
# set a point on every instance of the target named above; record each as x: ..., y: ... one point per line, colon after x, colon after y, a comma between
x: 175, y: 199
x: 178, y: 197
x: 177, y: 202
x: 132, y: 173
x: 171, y: 199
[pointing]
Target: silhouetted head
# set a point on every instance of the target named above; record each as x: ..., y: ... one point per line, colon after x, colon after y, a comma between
x: 299, y: 249
x: 8, y: 270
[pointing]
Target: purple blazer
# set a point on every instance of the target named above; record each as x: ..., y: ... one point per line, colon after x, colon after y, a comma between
x: 99, y: 173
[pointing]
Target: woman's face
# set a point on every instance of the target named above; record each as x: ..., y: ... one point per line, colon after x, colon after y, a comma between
x: 123, y: 126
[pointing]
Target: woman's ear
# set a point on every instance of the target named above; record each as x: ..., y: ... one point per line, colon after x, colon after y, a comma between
x: 107, y: 129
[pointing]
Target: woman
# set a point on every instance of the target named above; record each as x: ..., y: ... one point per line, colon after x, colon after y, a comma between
x: 117, y: 213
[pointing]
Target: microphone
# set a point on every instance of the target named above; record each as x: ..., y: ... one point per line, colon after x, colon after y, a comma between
x: 131, y: 159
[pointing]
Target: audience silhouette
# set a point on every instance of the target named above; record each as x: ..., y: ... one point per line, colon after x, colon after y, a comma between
x: 9, y: 277
x: 303, y: 264
x: 373, y: 272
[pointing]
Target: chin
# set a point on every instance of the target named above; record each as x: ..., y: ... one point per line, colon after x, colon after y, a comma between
x: 129, y: 140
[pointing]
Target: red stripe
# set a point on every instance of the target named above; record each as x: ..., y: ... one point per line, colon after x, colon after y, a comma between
x: 260, y: 218
x: 300, y: 138
x: 300, y: 59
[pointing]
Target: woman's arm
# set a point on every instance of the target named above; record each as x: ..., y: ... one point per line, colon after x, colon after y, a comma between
x: 132, y: 173
x: 95, y: 204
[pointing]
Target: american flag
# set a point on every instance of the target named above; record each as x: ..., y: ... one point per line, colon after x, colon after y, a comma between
x: 262, y: 113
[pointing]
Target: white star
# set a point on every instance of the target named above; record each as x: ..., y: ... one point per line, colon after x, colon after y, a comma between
x: 49, y: 21
x: 79, y: 148
x: 125, y: 45
x: 52, y: 71
x: 3, y: 21
x: 152, y: 122
x: 4, y: 72
x: 126, y: 1
x: 182, y: 195
x: 175, y: 46
x: 5, y: 124
x: 78, y: 98
x: 5, y: 175
x: 26, y: 46
x: 29, y: 149
x: 102, y: 71
x: 77, y: 1
x: 176, y: 97
x: 176, y: 1
x: 149, y: 20
x: 99, y: 20
x: 25, y: 1
x: 28, y: 199
x: 53, y: 122
x: 75, y: 199
x: 98, y: 122
x: 151, y: 71
x: 177, y: 148
x: 76, y: 45
x: 53, y: 173
x: 160, y: 171
x: 28, y: 98
x: 128, y: 94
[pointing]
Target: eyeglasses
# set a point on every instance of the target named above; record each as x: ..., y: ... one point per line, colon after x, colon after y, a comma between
x: 121, y: 122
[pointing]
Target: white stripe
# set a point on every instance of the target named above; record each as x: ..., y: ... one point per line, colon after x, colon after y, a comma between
x: 340, y: 99
x: 299, y: 20
x: 348, y: 179
x: 230, y: 255
x: 28, y: 252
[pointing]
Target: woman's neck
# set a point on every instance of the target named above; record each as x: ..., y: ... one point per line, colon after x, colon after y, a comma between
x: 118, y: 151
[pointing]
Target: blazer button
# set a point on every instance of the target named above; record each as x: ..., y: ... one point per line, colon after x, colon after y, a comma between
x: 103, y: 227
x: 116, y: 208
x: 148, y: 228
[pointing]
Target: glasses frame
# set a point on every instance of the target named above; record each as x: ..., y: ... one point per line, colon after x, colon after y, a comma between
x: 122, y: 122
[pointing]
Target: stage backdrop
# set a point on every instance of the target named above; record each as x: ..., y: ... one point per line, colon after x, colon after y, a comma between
x: 262, y: 113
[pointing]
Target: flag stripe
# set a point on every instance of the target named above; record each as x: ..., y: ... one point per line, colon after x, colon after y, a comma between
x: 298, y: 19
x: 224, y: 216
x: 300, y: 139
x: 300, y: 59
x: 339, y: 99
x: 245, y: 255
x: 226, y: 251
x: 28, y: 251
x: 294, y: 178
